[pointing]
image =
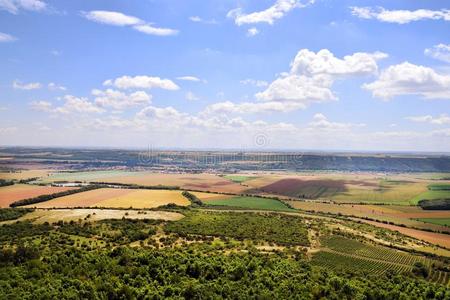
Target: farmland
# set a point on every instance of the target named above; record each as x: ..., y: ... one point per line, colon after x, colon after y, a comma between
x: 208, y: 182
x: 12, y: 193
x: 117, y: 198
x: 248, y: 202
x: 438, y: 221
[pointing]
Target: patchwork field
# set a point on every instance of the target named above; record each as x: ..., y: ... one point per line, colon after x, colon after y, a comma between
x: 343, y: 187
x: 117, y: 198
x: 25, y: 174
x: 12, y: 193
x: 406, y: 215
x: 41, y: 216
x: 249, y: 202
x: 202, y: 182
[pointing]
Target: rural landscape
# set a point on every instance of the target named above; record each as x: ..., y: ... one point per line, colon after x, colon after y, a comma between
x: 68, y: 228
x: 225, y: 149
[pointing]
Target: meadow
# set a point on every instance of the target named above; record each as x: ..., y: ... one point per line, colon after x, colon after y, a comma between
x: 116, y: 198
x: 438, y: 221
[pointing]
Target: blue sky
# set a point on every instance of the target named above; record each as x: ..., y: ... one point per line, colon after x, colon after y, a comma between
x: 325, y: 75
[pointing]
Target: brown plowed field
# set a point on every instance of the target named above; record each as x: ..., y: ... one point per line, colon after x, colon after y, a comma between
x: 12, y: 193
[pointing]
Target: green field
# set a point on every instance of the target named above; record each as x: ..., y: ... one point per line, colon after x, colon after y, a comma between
x: 250, y: 202
x: 437, y: 221
x: 239, y: 178
x: 439, y: 187
x: 85, y: 176
x: 431, y: 195
x: 276, y: 228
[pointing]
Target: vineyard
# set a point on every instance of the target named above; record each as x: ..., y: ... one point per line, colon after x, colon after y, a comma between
x: 343, y: 254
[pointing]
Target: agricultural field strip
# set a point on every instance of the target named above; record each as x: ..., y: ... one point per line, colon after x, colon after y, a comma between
x: 400, y: 264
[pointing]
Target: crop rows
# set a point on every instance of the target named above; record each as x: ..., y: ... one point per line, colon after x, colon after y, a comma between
x: 440, y: 277
x: 357, y: 248
x: 342, y: 262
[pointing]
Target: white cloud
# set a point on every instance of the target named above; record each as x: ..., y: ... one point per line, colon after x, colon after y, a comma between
x: 72, y: 105
x: 277, y: 11
x: 14, y: 6
x: 441, y: 52
x: 308, y: 63
x: 410, y: 79
x: 300, y: 89
x: 442, y: 119
x: 119, y: 100
x: 119, y: 19
x: 252, y: 31
x: 258, y: 83
x: 111, y: 18
x: 44, y: 106
x: 251, y: 107
x: 143, y: 82
x: 149, y: 29
x: 55, y: 53
x: 309, y: 81
x: 400, y: 16
x: 189, y: 78
x: 6, y: 38
x: 56, y: 87
x: 321, y: 122
x: 190, y: 96
x: 26, y: 86
x: 197, y: 19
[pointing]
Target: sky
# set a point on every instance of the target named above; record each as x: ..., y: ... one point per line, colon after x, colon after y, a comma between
x: 251, y: 74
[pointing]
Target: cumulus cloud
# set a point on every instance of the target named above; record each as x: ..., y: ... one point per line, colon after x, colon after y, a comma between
x: 399, y: 16
x: 277, y: 11
x: 440, y: 52
x: 410, y: 79
x: 141, y: 82
x: 26, y: 86
x: 308, y: 63
x: 442, y: 119
x: 321, y: 122
x: 119, y: 100
x: 6, y: 38
x: 14, y: 6
x: 72, y: 105
x: 313, y: 74
x: 119, y: 19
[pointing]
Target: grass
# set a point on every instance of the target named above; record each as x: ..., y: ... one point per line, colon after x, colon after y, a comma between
x: 250, y: 202
x: 431, y: 195
x: 437, y: 221
x: 439, y: 187
x: 276, y: 228
x: 239, y: 178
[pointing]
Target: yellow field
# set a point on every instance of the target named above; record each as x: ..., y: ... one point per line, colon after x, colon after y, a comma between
x: 210, y: 196
x: 54, y: 215
x: 26, y: 174
x: 117, y: 198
